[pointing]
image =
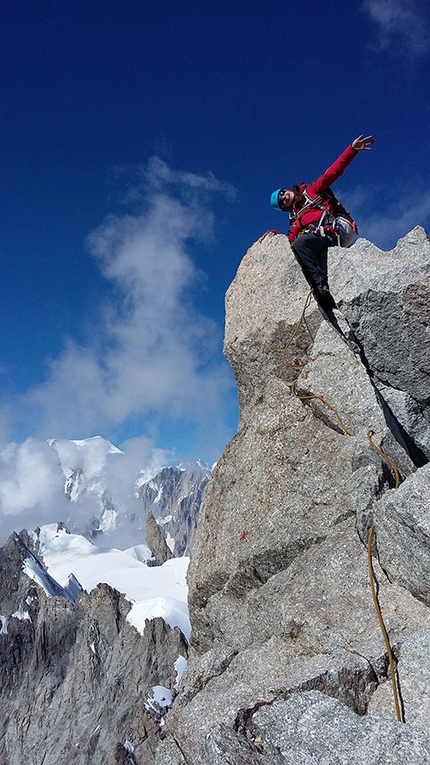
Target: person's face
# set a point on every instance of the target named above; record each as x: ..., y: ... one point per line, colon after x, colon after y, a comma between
x: 286, y: 199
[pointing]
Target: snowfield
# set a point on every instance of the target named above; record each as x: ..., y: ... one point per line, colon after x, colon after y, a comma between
x: 152, y: 590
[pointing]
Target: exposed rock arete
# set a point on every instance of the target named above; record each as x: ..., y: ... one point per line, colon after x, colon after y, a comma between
x: 288, y: 663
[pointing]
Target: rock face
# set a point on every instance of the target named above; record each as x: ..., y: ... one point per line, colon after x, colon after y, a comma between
x: 155, y: 540
x: 173, y: 496
x: 77, y: 679
x: 288, y: 663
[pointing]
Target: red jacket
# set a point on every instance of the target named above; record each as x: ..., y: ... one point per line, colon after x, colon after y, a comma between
x: 313, y: 215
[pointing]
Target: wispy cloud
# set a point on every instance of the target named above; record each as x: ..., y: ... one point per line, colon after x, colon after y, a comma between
x: 385, y: 230
x: 157, y: 175
x: 401, y: 26
x: 152, y: 357
x: 383, y: 219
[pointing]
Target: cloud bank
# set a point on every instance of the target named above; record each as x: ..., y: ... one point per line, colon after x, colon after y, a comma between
x: 405, y: 208
x: 398, y: 222
x: 33, y: 475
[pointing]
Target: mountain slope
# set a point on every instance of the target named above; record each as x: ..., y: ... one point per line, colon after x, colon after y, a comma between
x: 99, y: 491
x: 104, y: 661
x: 174, y: 496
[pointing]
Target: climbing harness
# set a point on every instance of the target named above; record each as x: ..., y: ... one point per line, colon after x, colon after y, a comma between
x: 297, y: 365
x: 335, y: 218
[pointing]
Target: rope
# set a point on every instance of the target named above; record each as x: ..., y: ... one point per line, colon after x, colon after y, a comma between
x: 382, y: 625
x: 321, y: 398
x: 384, y: 457
x: 296, y: 330
x: 296, y: 365
x: 373, y: 588
x: 372, y: 528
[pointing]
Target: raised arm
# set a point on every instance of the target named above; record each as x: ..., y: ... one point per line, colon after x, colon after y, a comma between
x: 337, y: 168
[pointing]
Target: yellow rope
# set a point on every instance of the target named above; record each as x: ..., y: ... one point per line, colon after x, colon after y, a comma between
x: 298, y: 325
x: 384, y: 457
x: 372, y: 528
x: 372, y: 583
x: 382, y: 625
x: 321, y: 398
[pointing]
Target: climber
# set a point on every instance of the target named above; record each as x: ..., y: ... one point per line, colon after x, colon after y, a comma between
x: 309, y: 237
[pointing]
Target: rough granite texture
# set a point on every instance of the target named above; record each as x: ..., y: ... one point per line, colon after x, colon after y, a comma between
x: 287, y: 661
x: 75, y: 679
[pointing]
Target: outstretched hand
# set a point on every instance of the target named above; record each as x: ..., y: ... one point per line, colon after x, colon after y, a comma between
x: 363, y: 143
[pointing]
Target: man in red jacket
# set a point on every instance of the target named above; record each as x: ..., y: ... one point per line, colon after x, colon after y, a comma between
x: 309, y: 237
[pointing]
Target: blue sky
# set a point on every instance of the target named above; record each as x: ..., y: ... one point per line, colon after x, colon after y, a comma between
x: 139, y: 146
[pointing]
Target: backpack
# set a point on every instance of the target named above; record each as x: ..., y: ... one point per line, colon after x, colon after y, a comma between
x: 335, y: 216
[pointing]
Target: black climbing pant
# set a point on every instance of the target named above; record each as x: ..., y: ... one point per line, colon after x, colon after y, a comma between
x: 311, y: 252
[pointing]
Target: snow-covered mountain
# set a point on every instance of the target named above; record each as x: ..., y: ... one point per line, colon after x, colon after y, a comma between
x: 174, y: 497
x: 78, y: 565
x: 101, y: 482
x: 99, y: 491
x: 92, y: 613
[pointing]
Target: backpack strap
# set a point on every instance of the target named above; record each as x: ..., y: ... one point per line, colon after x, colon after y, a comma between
x: 317, y: 203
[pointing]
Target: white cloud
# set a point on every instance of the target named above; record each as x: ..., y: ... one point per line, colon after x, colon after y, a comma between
x: 403, y: 209
x: 399, y: 25
x: 384, y: 229
x: 152, y: 355
x: 151, y: 358
x: 33, y: 473
x: 383, y: 215
x: 30, y: 476
x: 157, y: 175
x: 31, y: 486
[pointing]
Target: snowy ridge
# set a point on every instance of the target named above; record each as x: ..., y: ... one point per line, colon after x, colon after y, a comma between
x: 35, y: 571
x: 153, y: 591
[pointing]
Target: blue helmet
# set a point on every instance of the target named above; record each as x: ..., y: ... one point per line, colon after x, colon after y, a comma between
x: 274, y: 199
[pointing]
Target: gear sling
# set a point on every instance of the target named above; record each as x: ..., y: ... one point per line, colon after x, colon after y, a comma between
x: 334, y: 218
